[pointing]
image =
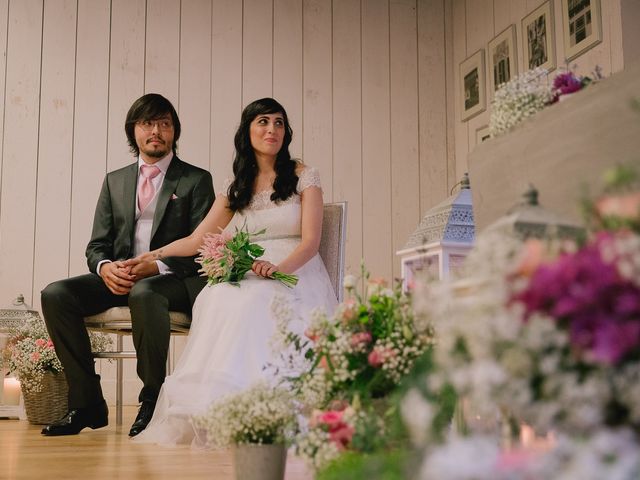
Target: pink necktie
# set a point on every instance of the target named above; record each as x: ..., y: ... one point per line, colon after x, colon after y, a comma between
x: 146, y: 190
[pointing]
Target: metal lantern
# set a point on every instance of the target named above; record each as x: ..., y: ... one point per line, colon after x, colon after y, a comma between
x: 442, y: 240
x: 10, y: 395
x: 529, y: 219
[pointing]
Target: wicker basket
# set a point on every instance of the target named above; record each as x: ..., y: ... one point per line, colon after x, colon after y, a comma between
x: 50, y: 404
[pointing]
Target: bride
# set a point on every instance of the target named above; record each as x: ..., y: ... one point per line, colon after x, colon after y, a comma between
x: 228, y: 343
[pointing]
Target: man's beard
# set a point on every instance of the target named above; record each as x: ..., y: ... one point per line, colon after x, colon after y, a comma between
x: 156, y: 152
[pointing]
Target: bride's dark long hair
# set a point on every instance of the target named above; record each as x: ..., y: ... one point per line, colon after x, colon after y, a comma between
x: 245, y: 167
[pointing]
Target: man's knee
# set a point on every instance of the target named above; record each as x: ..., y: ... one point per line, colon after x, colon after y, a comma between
x: 54, y: 293
x: 142, y: 294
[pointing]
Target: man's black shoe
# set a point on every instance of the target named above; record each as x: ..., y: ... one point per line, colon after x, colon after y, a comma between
x: 144, y: 417
x: 78, y: 418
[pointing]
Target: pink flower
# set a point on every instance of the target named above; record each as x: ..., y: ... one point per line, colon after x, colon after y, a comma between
x: 311, y: 334
x: 623, y: 206
x: 330, y: 418
x: 324, y: 363
x: 41, y: 342
x: 348, y: 311
x: 380, y: 355
x: 35, y: 356
x: 49, y: 344
x: 342, y: 435
x: 360, y: 338
x: 532, y: 257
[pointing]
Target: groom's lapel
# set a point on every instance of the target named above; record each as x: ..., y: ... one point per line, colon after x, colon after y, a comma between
x: 169, y: 185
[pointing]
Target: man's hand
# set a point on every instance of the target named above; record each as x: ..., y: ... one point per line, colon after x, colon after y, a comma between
x: 144, y: 269
x: 117, y: 277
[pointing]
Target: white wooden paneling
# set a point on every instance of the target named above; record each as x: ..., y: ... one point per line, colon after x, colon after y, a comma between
x: 226, y: 85
x: 195, y: 82
x: 432, y: 103
x: 405, y: 161
x: 20, y: 150
x: 287, y: 65
x: 257, y: 50
x: 126, y: 74
x: 55, y: 144
x: 347, y: 121
x: 317, y: 87
x: 4, y: 20
x: 460, y: 53
x: 162, y: 49
x: 90, y: 124
x: 376, y: 142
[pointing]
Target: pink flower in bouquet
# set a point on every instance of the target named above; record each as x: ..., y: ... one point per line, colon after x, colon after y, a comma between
x: 41, y: 342
x: 50, y: 344
x: 348, y: 311
x: 379, y: 355
x: 311, y: 334
x: 342, y: 435
x: 531, y: 258
x: 360, y: 338
x: 35, y: 356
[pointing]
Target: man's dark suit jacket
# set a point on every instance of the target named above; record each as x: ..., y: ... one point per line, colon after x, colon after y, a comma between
x: 183, y: 201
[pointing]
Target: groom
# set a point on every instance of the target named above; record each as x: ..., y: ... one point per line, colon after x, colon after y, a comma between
x: 143, y: 206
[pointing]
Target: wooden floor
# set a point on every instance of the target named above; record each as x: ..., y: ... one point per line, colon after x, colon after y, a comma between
x: 107, y: 453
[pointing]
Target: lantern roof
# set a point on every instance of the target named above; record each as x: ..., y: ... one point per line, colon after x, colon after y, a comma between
x: 16, y: 314
x: 451, y: 221
x: 529, y: 219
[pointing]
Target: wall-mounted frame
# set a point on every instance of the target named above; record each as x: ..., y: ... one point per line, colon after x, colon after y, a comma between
x: 502, y: 59
x: 472, y: 85
x: 538, y: 39
x: 482, y: 134
x: 581, y: 26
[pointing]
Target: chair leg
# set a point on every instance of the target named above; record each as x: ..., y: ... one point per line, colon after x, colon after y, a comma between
x: 119, y: 380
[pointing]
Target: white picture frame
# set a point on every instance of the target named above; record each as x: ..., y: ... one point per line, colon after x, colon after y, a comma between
x: 538, y: 38
x: 581, y: 26
x: 473, y: 85
x: 502, y: 58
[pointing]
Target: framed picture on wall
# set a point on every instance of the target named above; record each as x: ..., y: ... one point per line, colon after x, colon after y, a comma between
x: 503, y: 65
x: 473, y: 86
x: 581, y: 26
x: 538, y: 39
x: 482, y: 134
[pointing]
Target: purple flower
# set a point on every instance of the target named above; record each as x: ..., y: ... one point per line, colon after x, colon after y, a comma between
x: 566, y: 83
x: 587, y: 295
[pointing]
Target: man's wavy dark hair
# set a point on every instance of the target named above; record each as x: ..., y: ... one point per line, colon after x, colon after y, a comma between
x: 245, y: 167
x: 151, y: 106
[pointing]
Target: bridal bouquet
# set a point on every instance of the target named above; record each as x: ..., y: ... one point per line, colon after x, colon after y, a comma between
x: 227, y: 258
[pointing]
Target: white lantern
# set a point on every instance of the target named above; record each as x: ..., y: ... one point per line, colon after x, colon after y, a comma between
x: 442, y: 240
x: 11, y: 405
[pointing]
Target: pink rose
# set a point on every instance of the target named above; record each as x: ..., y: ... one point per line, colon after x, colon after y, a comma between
x: 49, y: 344
x: 360, y: 338
x: 35, y: 356
x: 331, y: 418
x: 40, y: 342
x: 311, y: 334
x: 375, y: 359
x: 342, y: 435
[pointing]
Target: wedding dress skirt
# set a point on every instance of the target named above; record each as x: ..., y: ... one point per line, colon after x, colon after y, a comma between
x: 229, y: 341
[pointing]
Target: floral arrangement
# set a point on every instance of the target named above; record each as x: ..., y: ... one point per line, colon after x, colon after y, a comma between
x: 527, y: 94
x: 335, y: 431
x: 260, y: 414
x: 548, y: 333
x: 30, y: 352
x: 227, y: 258
x: 519, y: 98
x: 361, y: 352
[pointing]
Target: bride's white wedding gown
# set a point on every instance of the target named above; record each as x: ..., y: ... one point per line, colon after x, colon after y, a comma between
x: 229, y: 340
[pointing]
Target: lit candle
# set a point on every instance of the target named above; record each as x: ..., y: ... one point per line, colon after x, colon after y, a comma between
x: 11, y: 393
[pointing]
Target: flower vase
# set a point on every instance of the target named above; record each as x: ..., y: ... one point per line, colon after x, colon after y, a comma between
x: 49, y: 404
x: 259, y: 461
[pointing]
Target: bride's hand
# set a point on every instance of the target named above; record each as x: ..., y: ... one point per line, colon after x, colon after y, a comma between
x: 264, y: 268
x: 144, y: 258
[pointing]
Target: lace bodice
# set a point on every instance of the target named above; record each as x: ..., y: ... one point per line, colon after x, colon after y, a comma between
x: 309, y: 177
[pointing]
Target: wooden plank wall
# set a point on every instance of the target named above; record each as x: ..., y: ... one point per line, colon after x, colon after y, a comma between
x: 364, y: 83
x: 476, y: 22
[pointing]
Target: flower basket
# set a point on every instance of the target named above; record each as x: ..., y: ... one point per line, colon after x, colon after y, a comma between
x: 50, y: 404
x: 255, y: 461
